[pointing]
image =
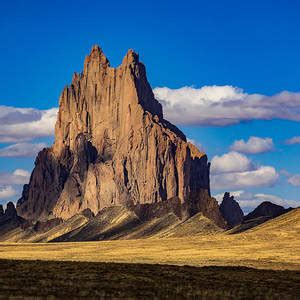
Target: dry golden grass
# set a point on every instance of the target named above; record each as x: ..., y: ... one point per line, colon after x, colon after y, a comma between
x: 274, y: 245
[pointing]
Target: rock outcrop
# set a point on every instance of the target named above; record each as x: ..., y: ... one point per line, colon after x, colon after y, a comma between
x: 231, y: 211
x: 10, y: 211
x: 45, y: 226
x: 9, y: 218
x: 262, y: 213
x: 1, y: 210
x: 266, y: 209
x: 113, y: 147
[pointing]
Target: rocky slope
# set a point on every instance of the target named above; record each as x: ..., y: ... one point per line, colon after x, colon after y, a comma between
x: 262, y: 213
x: 9, y: 219
x: 113, y: 147
x: 231, y: 211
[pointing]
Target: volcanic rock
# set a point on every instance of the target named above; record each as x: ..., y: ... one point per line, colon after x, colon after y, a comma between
x: 266, y: 209
x: 261, y: 214
x: 10, y: 211
x: 40, y: 226
x: 231, y: 211
x: 113, y: 147
x: 9, y: 219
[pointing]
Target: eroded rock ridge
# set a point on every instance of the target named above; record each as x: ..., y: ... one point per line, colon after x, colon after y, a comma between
x: 113, y: 147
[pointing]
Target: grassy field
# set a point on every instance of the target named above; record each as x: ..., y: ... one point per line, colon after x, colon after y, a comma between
x: 100, y: 280
x: 218, y: 250
x: 161, y: 267
x: 272, y: 245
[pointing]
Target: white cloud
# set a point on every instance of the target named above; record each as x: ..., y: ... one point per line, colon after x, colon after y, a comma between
x: 225, y: 105
x: 19, y: 176
x: 293, y: 140
x: 235, y: 170
x: 22, y: 150
x: 7, y: 192
x: 230, y: 162
x: 208, y: 105
x: 253, y: 145
x: 262, y: 176
x: 248, y: 201
x: 25, y: 124
x: 294, y: 180
x: 277, y: 200
x: 21, y: 172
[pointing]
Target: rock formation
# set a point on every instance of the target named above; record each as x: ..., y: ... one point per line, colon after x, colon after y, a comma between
x: 1, y: 210
x: 266, y: 209
x: 113, y: 147
x: 9, y: 219
x: 10, y: 211
x: 262, y: 213
x: 45, y: 226
x: 231, y: 211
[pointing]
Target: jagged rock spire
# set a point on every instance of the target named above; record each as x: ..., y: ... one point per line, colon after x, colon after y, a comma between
x: 113, y: 147
x: 231, y: 210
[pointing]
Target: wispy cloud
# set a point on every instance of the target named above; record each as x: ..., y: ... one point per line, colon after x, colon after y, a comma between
x: 293, y: 140
x: 225, y: 105
x: 22, y: 150
x: 19, y: 176
x: 25, y: 124
x: 253, y: 145
x: 7, y: 192
x: 294, y: 180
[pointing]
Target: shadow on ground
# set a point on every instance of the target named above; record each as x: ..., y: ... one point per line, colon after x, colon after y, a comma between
x: 111, y: 280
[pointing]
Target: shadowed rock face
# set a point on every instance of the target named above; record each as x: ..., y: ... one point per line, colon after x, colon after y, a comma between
x: 9, y: 219
x: 266, y: 209
x: 113, y: 147
x: 10, y: 211
x: 1, y: 210
x: 231, y: 211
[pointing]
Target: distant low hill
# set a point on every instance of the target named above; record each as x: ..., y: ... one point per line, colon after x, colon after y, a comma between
x: 287, y: 224
x: 262, y: 213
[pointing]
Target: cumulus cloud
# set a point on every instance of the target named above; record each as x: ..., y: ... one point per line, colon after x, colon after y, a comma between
x: 7, y: 192
x: 22, y: 150
x: 19, y: 176
x: 253, y: 145
x: 208, y: 105
x: 225, y: 105
x: 235, y: 170
x: 294, y: 180
x: 230, y: 162
x: 248, y: 201
x: 25, y: 124
x: 293, y: 140
x: 262, y: 176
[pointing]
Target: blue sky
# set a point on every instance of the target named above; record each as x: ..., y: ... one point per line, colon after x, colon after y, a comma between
x: 250, y: 45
